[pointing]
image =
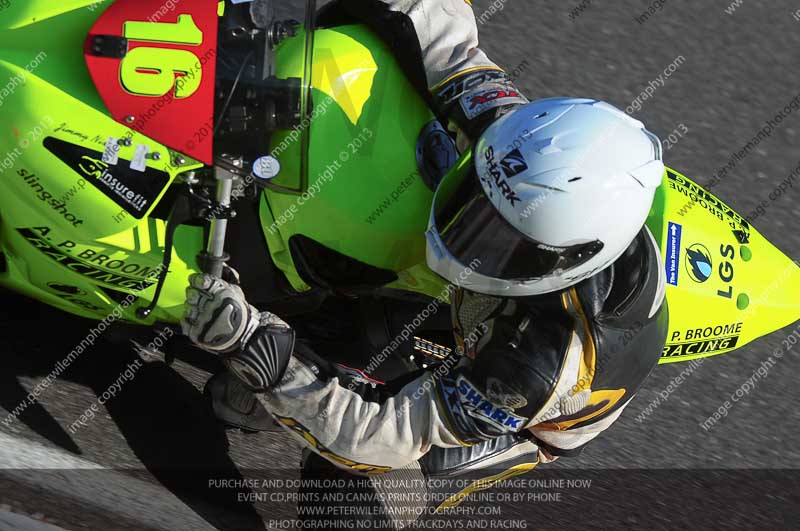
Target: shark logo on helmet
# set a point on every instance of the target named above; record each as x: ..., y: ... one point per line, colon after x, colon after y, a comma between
x: 499, y: 180
x: 513, y: 164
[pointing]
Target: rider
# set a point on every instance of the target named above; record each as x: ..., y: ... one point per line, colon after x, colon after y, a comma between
x: 558, y: 307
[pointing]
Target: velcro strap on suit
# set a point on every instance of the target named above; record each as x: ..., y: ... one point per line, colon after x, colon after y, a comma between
x: 475, y: 99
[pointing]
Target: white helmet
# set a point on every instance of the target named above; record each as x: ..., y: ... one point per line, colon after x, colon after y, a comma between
x: 560, y: 187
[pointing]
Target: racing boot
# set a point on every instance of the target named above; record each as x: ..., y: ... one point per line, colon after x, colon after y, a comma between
x: 236, y: 406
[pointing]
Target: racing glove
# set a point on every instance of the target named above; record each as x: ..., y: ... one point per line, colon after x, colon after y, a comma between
x: 255, y: 346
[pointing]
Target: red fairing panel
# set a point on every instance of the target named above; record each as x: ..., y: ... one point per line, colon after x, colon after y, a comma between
x: 164, y: 85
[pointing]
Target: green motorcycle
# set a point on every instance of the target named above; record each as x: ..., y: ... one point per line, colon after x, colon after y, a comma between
x: 144, y: 141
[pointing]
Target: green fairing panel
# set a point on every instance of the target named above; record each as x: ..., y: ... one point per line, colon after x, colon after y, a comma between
x: 84, y: 253
x: 363, y: 131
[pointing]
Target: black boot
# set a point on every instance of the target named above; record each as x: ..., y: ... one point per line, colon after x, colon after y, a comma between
x: 236, y: 406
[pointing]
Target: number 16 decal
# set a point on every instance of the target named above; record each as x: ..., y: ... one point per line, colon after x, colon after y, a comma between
x: 153, y: 71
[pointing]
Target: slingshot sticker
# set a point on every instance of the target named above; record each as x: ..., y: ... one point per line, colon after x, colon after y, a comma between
x: 673, y: 255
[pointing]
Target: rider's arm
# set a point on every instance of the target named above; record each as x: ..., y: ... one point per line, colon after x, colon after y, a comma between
x: 439, y: 35
x: 436, y: 42
x: 525, y: 377
x: 355, y: 422
x: 352, y: 421
x: 337, y: 412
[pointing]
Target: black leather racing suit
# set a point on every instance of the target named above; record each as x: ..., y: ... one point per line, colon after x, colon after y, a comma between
x: 549, y: 372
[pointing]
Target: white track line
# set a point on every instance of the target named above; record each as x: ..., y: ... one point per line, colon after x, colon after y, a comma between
x: 56, y: 471
x: 16, y: 522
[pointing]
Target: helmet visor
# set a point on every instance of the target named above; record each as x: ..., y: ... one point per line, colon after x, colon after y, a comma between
x: 474, y: 232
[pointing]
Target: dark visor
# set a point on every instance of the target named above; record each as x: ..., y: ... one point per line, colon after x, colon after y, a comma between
x: 474, y: 231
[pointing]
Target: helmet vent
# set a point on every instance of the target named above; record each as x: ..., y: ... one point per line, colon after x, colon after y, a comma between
x: 575, y: 179
x: 541, y: 115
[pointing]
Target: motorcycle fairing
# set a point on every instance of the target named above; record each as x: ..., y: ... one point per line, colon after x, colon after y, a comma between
x: 726, y: 284
x: 161, y: 83
x: 64, y: 240
x: 361, y: 153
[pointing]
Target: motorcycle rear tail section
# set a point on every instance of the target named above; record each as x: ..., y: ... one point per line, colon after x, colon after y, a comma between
x: 77, y: 229
x: 726, y: 284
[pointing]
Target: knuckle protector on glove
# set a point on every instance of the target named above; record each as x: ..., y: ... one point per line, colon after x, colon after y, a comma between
x: 200, y: 281
x: 225, y: 324
x: 262, y: 362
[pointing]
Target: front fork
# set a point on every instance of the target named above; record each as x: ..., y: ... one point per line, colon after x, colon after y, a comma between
x: 189, y: 206
x: 212, y: 260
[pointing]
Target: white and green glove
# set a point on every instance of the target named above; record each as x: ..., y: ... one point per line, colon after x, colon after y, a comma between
x: 255, y: 346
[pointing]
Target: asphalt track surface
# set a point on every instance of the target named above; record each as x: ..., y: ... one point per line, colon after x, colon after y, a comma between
x: 160, y: 443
